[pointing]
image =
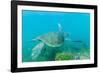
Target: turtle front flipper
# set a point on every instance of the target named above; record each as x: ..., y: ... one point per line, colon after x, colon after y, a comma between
x: 37, y: 50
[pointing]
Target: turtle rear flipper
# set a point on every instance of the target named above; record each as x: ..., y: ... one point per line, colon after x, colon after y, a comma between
x: 37, y: 50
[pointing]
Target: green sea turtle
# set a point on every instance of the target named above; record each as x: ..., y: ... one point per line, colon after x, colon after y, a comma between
x: 51, y: 39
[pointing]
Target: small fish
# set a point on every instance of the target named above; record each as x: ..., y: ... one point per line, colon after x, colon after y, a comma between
x: 79, y: 41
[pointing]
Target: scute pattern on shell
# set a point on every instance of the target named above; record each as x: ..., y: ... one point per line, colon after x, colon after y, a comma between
x: 53, y: 39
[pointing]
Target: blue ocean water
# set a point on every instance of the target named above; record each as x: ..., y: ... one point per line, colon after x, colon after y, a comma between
x: 36, y: 23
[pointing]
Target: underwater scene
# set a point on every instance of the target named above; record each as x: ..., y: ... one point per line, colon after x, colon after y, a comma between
x: 55, y: 36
